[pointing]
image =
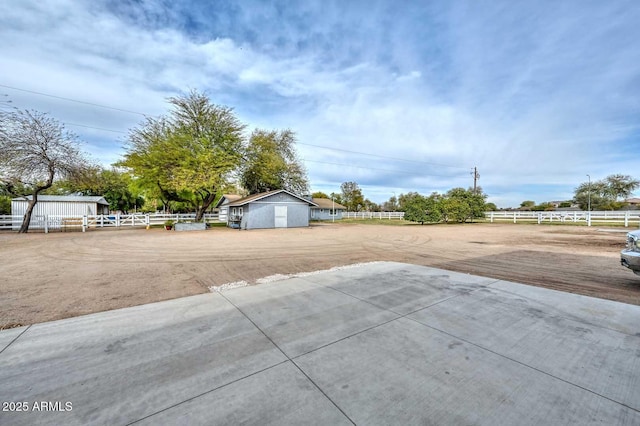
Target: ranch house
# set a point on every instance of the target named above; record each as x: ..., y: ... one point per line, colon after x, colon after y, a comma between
x: 326, y: 209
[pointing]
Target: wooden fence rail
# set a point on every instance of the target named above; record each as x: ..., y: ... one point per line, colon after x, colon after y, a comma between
x: 52, y: 222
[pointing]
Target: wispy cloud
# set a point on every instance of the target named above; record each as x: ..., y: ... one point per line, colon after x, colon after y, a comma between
x: 536, y: 95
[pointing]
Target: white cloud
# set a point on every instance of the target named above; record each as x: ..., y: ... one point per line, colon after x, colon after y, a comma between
x: 531, y: 94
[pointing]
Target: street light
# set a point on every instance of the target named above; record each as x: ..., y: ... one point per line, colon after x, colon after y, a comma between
x: 589, y: 194
x: 333, y: 210
x: 589, y: 202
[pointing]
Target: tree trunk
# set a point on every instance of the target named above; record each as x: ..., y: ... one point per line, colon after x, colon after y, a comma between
x: 206, y: 202
x: 26, y: 220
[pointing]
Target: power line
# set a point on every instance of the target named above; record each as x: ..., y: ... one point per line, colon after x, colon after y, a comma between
x: 373, y: 168
x: 97, y: 128
x: 299, y: 143
x: 380, y: 156
x: 74, y: 100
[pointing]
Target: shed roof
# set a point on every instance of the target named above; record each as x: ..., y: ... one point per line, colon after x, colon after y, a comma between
x: 256, y: 197
x: 230, y: 197
x: 66, y: 199
x: 326, y: 203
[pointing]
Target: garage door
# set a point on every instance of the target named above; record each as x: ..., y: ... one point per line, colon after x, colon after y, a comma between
x: 281, y: 216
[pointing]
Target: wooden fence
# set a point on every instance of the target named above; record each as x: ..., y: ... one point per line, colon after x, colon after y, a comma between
x: 62, y: 223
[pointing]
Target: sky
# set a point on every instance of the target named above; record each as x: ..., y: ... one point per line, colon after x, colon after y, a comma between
x: 396, y: 96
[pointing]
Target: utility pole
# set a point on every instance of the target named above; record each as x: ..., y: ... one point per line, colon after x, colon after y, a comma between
x: 476, y: 176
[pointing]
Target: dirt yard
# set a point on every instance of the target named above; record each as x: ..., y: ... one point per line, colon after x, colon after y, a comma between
x: 60, y: 275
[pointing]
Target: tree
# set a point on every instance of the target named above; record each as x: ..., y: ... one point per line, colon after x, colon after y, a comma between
x: 455, y: 209
x: 319, y: 194
x: 621, y: 186
x: 352, y: 197
x: 35, y: 151
x: 475, y: 202
x: 271, y: 163
x: 370, y: 206
x: 605, y: 194
x: 115, y: 185
x: 490, y: 207
x: 391, y: 205
x: 337, y: 198
x: 406, y: 199
x: 423, y: 209
x: 188, y: 155
x: 5, y: 204
x: 528, y: 204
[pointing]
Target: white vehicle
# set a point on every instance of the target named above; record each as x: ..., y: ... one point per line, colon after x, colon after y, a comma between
x: 630, y: 256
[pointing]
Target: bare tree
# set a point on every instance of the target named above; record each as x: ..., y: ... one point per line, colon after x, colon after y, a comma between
x: 35, y: 150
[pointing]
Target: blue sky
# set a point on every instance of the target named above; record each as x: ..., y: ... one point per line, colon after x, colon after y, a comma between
x: 535, y: 94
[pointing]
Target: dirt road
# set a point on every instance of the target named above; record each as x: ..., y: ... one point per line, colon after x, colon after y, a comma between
x: 59, y: 275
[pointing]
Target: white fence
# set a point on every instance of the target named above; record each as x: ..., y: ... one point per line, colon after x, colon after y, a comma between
x: 626, y: 218
x: 373, y: 215
x: 62, y: 223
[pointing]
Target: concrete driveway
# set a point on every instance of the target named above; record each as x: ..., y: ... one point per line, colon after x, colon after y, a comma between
x: 382, y: 343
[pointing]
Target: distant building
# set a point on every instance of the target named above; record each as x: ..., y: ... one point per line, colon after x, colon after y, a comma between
x: 326, y: 209
x: 57, y: 206
x: 633, y: 203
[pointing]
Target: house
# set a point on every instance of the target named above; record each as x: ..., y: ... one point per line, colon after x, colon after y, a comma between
x: 272, y: 209
x: 326, y: 209
x: 58, y: 206
x: 223, y: 206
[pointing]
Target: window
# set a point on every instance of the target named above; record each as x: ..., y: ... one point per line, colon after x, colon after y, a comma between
x: 240, y: 211
x: 233, y: 211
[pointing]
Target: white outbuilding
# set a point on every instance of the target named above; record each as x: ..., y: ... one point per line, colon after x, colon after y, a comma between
x: 58, y: 206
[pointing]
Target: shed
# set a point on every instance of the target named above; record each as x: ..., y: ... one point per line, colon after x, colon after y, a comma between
x: 61, y: 206
x: 326, y: 209
x: 272, y: 209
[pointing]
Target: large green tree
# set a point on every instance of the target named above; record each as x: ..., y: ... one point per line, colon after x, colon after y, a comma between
x: 320, y: 194
x: 351, y: 196
x: 606, y: 194
x: 423, y: 209
x: 117, y: 187
x: 35, y: 151
x: 271, y: 162
x: 188, y: 155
